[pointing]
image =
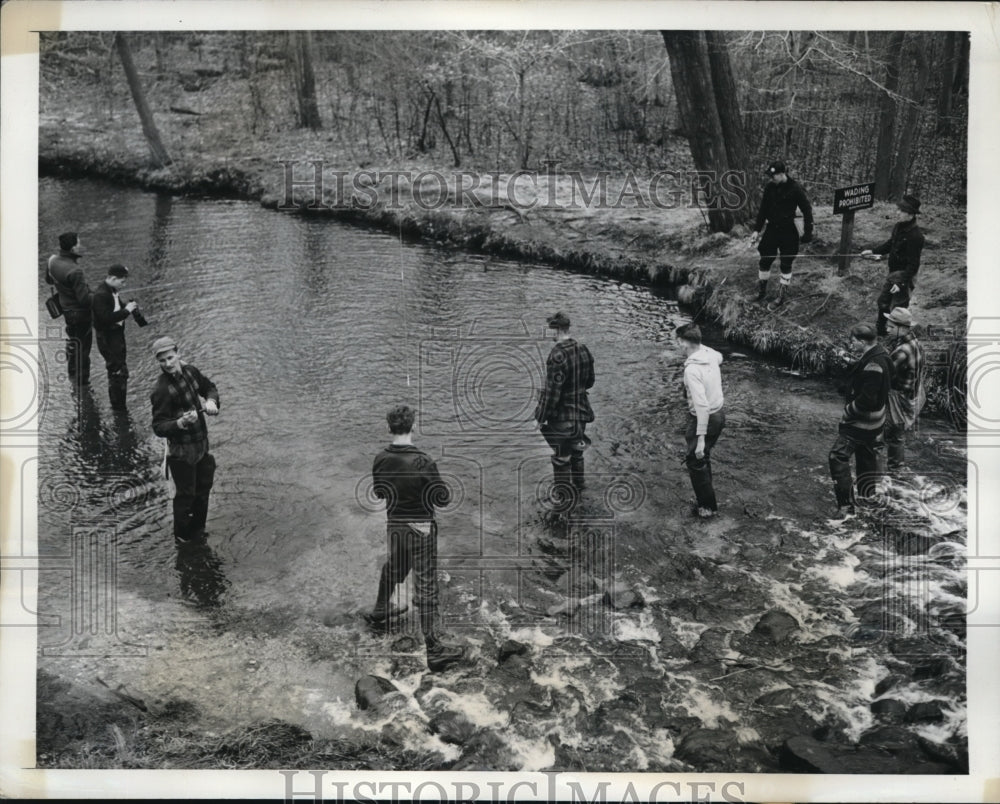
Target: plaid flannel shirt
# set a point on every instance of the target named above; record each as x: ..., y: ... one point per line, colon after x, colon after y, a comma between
x: 171, y: 398
x: 907, y: 364
x: 569, y: 372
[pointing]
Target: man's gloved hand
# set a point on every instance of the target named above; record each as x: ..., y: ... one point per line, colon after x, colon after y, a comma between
x: 754, y: 238
x: 807, y: 236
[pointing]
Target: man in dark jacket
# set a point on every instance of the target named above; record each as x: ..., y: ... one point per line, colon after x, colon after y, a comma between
x: 861, y: 427
x: 782, y: 196
x: 903, y: 248
x: 409, y: 481
x: 109, y: 326
x: 563, y: 409
x: 74, y: 297
x: 181, y: 400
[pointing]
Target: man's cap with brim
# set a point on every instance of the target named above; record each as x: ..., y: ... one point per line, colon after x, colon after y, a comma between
x: 900, y: 316
x: 164, y: 344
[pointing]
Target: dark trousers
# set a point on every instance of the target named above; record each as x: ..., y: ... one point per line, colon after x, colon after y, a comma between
x: 111, y: 344
x: 568, y: 441
x: 700, y: 469
x: 193, y: 485
x: 895, y: 443
x: 408, y: 549
x: 79, y: 340
x: 869, y: 457
x: 887, y: 300
x: 783, y: 238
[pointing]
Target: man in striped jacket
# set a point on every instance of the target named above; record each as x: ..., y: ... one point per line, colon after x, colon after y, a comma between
x: 861, y: 427
x: 906, y: 398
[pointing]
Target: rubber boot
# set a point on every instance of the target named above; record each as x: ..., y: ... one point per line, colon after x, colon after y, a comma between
x: 384, y: 609
x: 117, y: 389
x: 761, y: 290
x: 563, y: 493
x: 440, y: 655
x: 781, y: 298
x: 576, y: 465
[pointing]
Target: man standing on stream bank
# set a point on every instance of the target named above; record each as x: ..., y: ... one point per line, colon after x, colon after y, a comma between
x: 782, y: 196
x: 74, y: 297
x: 409, y: 482
x: 903, y: 247
x: 861, y: 427
x: 563, y: 409
x: 706, y: 415
x: 181, y: 399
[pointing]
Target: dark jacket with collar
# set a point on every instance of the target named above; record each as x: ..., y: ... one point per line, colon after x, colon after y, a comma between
x: 904, y: 247
x: 778, y: 205
x: 409, y: 481
x: 69, y: 281
x: 569, y: 373
x: 102, y: 304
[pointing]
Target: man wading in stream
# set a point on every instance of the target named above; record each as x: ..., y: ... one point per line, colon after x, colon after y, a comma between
x: 409, y: 482
x: 563, y: 409
x: 181, y: 400
x: 706, y: 416
x: 862, y: 424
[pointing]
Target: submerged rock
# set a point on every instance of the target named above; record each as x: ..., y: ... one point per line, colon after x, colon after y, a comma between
x: 776, y: 626
x: 955, y: 755
x: 511, y: 648
x: 453, y: 727
x: 370, y: 690
x: 925, y: 712
x: 778, y: 698
x: 889, y: 709
x: 894, y: 739
x: 889, y: 682
x: 487, y: 751
x: 707, y: 749
x: 624, y: 598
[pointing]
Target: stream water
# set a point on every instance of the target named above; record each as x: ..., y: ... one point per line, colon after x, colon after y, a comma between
x: 311, y: 330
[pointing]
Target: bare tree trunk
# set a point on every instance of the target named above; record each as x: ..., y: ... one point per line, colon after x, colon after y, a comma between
x: 921, y: 75
x: 305, y: 80
x: 731, y: 120
x: 156, y: 147
x: 444, y: 130
x: 887, y: 118
x: 945, y: 90
x: 691, y: 73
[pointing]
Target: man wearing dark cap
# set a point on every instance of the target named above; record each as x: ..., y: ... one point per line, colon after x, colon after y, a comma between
x: 862, y: 424
x: 409, y: 481
x: 907, y: 395
x: 109, y: 325
x: 563, y: 409
x: 782, y: 196
x: 74, y: 297
x: 181, y: 400
x: 903, y: 247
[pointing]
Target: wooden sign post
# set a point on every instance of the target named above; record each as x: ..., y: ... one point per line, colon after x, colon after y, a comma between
x: 846, y: 201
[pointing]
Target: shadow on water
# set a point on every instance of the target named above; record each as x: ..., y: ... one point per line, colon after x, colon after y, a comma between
x: 200, y: 574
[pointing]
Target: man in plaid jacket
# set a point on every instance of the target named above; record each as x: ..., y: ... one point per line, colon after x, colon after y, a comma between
x: 906, y: 397
x: 181, y: 400
x: 563, y: 409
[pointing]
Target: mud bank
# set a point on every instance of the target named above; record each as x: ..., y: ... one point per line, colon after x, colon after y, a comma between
x: 670, y: 249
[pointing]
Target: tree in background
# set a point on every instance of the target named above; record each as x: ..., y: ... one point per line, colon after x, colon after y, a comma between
x: 156, y: 148
x: 304, y: 79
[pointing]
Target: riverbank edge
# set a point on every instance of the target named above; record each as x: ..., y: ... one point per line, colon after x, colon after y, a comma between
x: 810, y: 351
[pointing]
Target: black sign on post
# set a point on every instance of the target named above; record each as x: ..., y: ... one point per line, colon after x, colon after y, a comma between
x: 846, y: 200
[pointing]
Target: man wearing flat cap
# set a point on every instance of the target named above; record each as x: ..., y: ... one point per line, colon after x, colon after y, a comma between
x: 563, y: 409
x: 907, y: 395
x: 782, y: 196
x: 861, y: 427
x: 181, y: 400
x: 903, y: 249
x: 109, y: 326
